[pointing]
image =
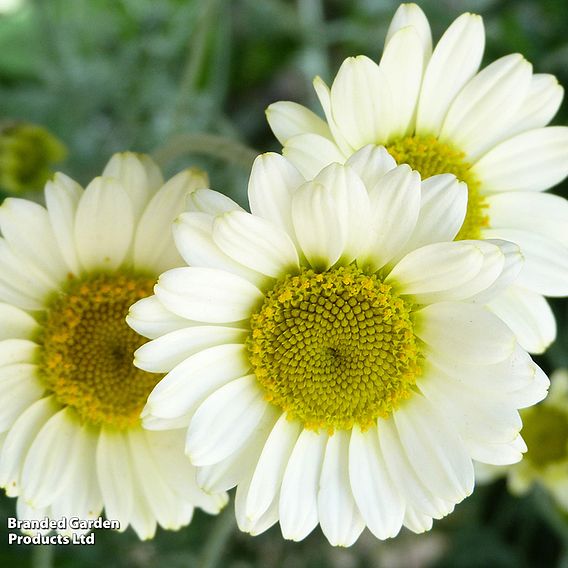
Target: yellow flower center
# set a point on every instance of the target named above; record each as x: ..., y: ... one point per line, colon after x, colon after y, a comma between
x: 87, y: 353
x: 334, y: 349
x: 431, y: 157
x: 545, y: 431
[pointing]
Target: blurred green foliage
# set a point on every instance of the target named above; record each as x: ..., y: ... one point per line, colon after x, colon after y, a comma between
x: 154, y: 76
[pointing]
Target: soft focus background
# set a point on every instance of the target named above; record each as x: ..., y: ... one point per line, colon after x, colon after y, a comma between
x: 188, y: 81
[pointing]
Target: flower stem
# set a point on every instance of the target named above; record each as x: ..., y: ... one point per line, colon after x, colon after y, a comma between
x: 215, y: 546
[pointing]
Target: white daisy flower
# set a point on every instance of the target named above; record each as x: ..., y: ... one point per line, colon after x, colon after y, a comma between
x: 72, y: 441
x: 545, y: 429
x: 331, y: 353
x: 436, y: 112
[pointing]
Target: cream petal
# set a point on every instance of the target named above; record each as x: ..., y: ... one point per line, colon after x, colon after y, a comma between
x: 545, y: 269
x: 19, y: 440
x: 14, y: 351
x: 288, y: 119
x: 224, y: 421
x: 412, y: 15
x: 541, y: 213
x: 375, y: 494
x: 528, y: 315
x: 153, y: 244
x: 46, y: 467
x: 498, y: 454
x: 417, y: 522
x: 272, y: 182
x: 362, y: 102
x: 164, y: 353
x: 455, y: 60
x: 150, y: 318
x: 311, y: 152
x: 16, y: 323
x: 142, y: 518
x: 394, y: 208
x: 371, y: 163
x: 115, y: 476
x: 402, y: 65
x: 208, y: 295
x: 210, y: 202
x: 298, y: 507
x: 436, y: 453
x: 482, y: 110
x: 339, y: 516
x: 26, y: 512
x: 190, y: 382
x: 104, y: 225
x: 534, y: 160
x: 464, y: 331
x: 256, y: 243
x: 62, y: 195
x: 27, y: 228
x: 267, y: 477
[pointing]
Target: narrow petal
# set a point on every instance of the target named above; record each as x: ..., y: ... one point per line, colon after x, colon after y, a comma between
x: 210, y: 202
x: 256, y: 243
x: 150, y: 318
x: 224, y: 421
x: 14, y: 351
x: 465, y: 331
x: 311, y: 152
x: 412, y: 15
x: 153, y: 245
x: 298, y: 507
x: 16, y: 323
x: 340, y: 519
x: 455, y: 60
x: 208, y: 295
x: 371, y: 163
x: 287, y: 119
x: 534, y: 160
x: 377, y: 498
x: 104, y: 225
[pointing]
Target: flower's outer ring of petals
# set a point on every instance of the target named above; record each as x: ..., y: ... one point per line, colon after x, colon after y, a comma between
x: 288, y: 119
x: 205, y: 200
x: 412, y: 15
x: 311, y: 152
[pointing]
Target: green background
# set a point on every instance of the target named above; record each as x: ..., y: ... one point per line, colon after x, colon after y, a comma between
x: 188, y: 81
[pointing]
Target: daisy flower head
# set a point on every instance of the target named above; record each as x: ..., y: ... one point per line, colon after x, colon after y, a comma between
x: 545, y: 430
x: 71, y: 435
x: 330, y: 351
x: 436, y: 111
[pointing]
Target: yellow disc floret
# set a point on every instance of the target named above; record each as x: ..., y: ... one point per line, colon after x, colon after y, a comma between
x: 430, y: 157
x: 334, y: 349
x: 87, y: 349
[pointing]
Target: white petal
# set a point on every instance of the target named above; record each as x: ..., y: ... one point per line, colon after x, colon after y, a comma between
x: 546, y: 261
x: 104, y: 225
x: 483, y: 108
x: 528, y: 315
x: 340, y: 519
x: 437, y: 455
x: 196, y: 378
x: 208, y: 295
x: 115, y: 476
x: 371, y: 163
x: 455, y: 60
x: 16, y: 323
x: 138, y: 175
x: 310, y: 153
x: 19, y: 388
x: 46, y: 466
x: 272, y: 182
x: 267, y: 478
x: 62, y: 196
x: 224, y: 421
x: 376, y: 496
x: 210, y: 202
x: 153, y: 243
x: 464, y: 331
x: 164, y: 353
x: 19, y: 440
x: 402, y: 65
x: 256, y: 243
x: 531, y: 161
x: 443, y: 205
x: 287, y: 119
x: 412, y: 15
x: 417, y: 522
x: 394, y: 207
x: 298, y: 507
x: 150, y: 318
x: 540, y: 213
x: 362, y: 102
x: 14, y: 351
